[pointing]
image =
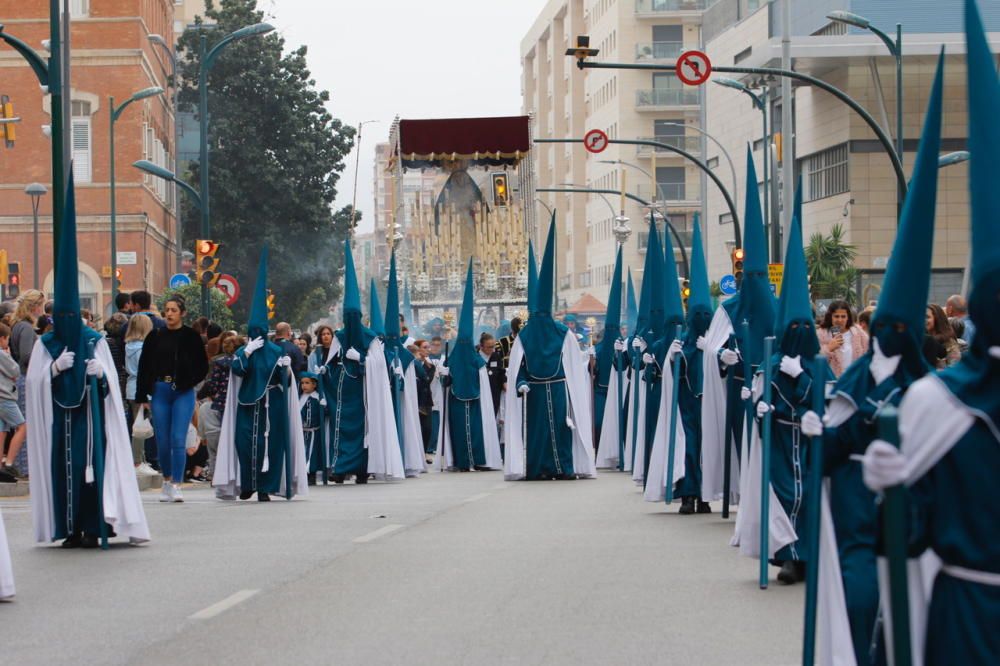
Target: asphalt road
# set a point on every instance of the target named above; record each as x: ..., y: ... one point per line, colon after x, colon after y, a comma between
x: 445, y: 569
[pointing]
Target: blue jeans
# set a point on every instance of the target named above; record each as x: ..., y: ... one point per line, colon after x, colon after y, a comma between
x: 172, y: 412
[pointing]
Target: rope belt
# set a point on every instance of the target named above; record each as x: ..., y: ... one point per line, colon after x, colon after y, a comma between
x: 990, y: 578
x: 547, y: 381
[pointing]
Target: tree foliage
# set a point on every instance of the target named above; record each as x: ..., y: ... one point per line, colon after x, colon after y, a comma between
x: 275, y: 157
x: 830, y: 261
x: 221, y: 314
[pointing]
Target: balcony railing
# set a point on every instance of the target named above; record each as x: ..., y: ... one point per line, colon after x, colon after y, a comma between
x: 664, y: 7
x: 659, y: 50
x: 664, y: 191
x: 690, y: 144
x: 665, y: 97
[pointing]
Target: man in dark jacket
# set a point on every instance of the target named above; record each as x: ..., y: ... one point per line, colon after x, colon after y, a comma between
x: 494, y: 367
x: 283, y: 338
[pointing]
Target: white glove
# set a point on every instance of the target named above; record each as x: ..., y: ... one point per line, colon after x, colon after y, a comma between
x: 64, y: 362
x: 322, y: 402
x: 285, y: 361
x: 321, y: 370
x: 701, y: 342
x: 253, y: 346
x: 648, y: 359
x: 398, y: 369
x: 94, y: 368
x: 353, y: 354
x: 620, y: 345
x: 812, y: 425
x: 883, y: 466
x: 745, y: 393
x: 791, y: 366
x: 591, y: 351
x: 523, y: 389
x: 639, y: 344
x: 570, y: 424
x: 762, y: 408
x: 729, y: 357
x: 443, y: 371
x: 676, y: 347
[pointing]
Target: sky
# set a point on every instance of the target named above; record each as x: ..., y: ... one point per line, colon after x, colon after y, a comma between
x: 436, y: 59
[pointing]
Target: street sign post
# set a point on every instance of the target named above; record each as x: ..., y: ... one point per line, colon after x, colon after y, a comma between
x: 178, y: 280
x: 728, y: 284
x: 595, y: 141
x: 228, y: 285
x: 693, y: 68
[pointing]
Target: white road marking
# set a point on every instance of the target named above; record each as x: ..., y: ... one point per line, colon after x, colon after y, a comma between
x: 380, y: 532
x: 224, y: 605
x: 476, y: 498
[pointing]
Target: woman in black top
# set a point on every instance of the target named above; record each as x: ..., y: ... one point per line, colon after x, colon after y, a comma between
x: 173, y: 361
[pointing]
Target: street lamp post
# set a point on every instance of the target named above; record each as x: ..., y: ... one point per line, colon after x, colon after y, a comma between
x: 36, y: 191
x: 207, y: 59
x: 157, y: 40
x: 113, y: 114
x: 357, y: 165
x: 759, y: 103
x: 722, y: 149
x: 166, y: 174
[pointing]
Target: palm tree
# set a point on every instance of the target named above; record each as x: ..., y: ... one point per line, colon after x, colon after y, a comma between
x: 830, y: 261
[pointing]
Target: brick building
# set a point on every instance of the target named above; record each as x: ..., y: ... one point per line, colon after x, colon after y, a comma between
x: 111, y: 56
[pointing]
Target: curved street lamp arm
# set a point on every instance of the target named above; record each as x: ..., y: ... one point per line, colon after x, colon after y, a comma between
x: 36, y: 61
x: 165, y: 174
x: 725, y: 153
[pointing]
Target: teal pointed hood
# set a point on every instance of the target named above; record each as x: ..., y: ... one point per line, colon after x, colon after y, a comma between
x: 756, y: 305
x: 795, y: 329
x: 354, y: 334
x: 906, y: 286
x: 375, y: 321
x: 612, y: 324
x: 464, y: 360
x: 631, y: 307
x: 699, y: 313
x: 68, y: 331
x: 257, y: 326
x: 394, y: 347
x: 532, y: 277
x: 542, y: 338
x: 654, y: 273
x: 671, y: 289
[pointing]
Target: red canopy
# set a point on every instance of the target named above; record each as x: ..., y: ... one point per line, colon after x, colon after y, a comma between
x: 502, y: 141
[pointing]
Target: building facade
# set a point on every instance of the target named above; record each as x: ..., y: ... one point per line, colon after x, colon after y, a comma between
x: 111, y: 56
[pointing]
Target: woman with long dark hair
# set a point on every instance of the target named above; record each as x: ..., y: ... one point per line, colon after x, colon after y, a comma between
x: 941, y: 348
x: 173, y: 361
x: 841, y: 340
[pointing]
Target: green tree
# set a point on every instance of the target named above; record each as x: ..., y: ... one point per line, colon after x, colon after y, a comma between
x: 276, y: 154
x: 830, y: 261
x: 221, y: 314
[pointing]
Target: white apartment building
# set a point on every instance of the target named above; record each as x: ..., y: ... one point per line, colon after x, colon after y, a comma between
x: 566, y: 102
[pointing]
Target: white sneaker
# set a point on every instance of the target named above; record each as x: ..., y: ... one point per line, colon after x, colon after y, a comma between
x: 167, y: 493
x: 145, y: 470
x: 176, y: 492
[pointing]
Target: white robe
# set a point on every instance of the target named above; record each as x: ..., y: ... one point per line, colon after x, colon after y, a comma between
x: 579, y: 411
x: 226, y: 475
x: 6, y: 570
x: 413, y: 437
x: 608, y: 445
x: 656, y: 485
x: 121, y: 502
x: 635, y: 423
x: 746, y: 532
x: 713, y: 416
x: 491, y: 441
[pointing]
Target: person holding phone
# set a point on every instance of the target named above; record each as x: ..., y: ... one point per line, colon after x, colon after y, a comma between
x: 840, y: 338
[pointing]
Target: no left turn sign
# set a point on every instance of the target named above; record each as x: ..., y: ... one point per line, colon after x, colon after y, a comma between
x: 595, y: 141
x: 693, y: 68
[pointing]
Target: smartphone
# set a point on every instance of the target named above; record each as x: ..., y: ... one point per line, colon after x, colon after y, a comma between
x: 835, y: 330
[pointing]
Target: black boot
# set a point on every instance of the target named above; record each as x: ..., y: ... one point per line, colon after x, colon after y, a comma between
x: 311, y: 478
x: 263, y: 497
x: 703, y: 507
x: 88, y: 541
x: 72, y: 541
x: 687, y: 506
x: 246, y: 494
x: 788, y: 574
x: 361, y: 479
x: 338, y: 478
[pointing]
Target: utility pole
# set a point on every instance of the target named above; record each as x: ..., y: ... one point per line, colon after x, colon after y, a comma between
x: 787, y: 133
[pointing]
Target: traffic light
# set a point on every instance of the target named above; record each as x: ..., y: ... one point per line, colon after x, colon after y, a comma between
x: 738, y: 255
x: 206, y: 262
x: 270, y: 304
x: 685, y: 291
x: 13, y: 279
x: 117, y: 277
x: 501, y: 194
x: 7, y: 129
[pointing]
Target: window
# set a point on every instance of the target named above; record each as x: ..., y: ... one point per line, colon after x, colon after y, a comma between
x: 80, y: 128
x: 670, y: 181
x: 825, y: 173
x: 78, y: 8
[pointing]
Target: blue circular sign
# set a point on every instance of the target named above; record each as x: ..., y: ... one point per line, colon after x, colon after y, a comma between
x: 178, y: 280
x: 728, y: 285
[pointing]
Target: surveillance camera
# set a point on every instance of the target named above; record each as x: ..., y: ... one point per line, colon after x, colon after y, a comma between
x: 47, y: 131
x: 47, y: 44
